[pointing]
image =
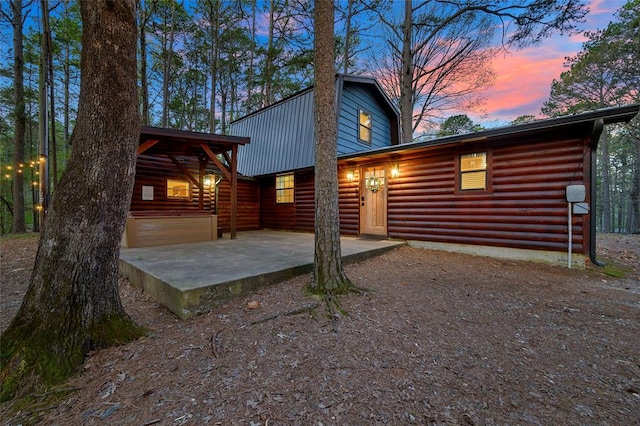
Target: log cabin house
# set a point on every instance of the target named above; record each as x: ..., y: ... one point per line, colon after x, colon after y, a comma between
x: 500, y: 192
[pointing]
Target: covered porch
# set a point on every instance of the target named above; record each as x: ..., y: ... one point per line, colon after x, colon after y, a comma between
x: 175, y: 198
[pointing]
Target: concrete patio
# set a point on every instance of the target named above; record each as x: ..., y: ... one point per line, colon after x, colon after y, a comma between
x: 193, y: 278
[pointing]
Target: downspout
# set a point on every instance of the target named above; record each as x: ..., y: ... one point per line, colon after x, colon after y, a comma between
x: 598, y: 127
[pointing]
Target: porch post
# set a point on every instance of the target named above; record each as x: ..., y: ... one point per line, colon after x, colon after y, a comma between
x: 203, y: 168
x: 234, y: 190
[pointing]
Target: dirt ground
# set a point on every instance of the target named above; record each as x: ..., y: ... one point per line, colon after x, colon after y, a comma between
x: 440, y: 338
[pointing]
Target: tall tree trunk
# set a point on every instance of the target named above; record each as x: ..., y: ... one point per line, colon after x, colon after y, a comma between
x: 67, y: 98
x: 347, y: 37
x: 72, y: 304
x: 268, y: 63
x: 48, y: 55
x: 328, y: 273
x: 252, y: 52
x: 144, y: 15
x: 43, y: 134
x: 18, y: 224
x: 635, y: 188
x: 167, y: 66
x: 224, y: 95
x: 214, y: 26
x: 606, y: 183
x: 406, y: 79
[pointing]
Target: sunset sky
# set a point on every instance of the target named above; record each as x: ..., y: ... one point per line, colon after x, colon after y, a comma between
x: 524, y: 77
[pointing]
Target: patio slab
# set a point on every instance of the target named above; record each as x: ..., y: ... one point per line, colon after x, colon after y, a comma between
x: 193, y: 278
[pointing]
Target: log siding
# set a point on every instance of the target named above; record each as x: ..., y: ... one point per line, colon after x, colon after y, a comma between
x: 524, y: 208
x: 155, y: 170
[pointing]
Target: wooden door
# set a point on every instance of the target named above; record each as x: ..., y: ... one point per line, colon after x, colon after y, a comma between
x: 373, y: 201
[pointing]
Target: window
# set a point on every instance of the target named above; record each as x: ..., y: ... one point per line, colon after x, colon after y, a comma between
x: 473, y: 171
x: 178, y: 189
x: 284, y: 188
x: 364, y: 126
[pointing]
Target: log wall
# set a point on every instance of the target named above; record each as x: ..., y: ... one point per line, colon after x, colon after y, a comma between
x: 155, y: 170
x: 525, y: 206
x: 248, y: 205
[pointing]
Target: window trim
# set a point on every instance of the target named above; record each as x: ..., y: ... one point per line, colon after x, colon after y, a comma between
x: 360, y: 125
x: 284, y: 190
x: 488, y: 170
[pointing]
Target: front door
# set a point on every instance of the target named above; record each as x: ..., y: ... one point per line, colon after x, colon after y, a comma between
x: 373, y: 202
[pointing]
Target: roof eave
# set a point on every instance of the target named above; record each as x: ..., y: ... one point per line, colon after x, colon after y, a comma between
x: 608, y: 115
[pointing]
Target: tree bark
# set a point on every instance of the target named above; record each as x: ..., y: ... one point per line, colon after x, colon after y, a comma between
x: 167, y: 64
x: 606, y: 183
x: 328, y: 275
x: 144, y: 14
x: 635, y: 188
x: 72, y: 304
x: 47, y: 47
x: 18, y: 224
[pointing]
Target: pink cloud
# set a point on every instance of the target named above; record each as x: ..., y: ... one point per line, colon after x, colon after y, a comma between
x: 524, y: 77
x: 522, y: 84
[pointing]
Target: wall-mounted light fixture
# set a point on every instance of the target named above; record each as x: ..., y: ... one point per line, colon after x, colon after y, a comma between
x: 207, y: 180
x: 351, y: 175
x: 395, y: 171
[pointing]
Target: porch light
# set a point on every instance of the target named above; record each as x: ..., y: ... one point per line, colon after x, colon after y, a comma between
x: 351, y: 175
x: 207, y: 180
x: 395, y: 171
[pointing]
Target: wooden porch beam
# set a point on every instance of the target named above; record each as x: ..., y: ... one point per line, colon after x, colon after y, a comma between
x: 146, y: 145
x: 225, y: 154
x: 217, y: 162
x: 184, y: 171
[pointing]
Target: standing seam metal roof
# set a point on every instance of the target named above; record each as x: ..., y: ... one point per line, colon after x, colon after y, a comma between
x: 282, y: 133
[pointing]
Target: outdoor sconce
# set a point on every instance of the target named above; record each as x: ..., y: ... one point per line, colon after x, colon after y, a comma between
x: 207, y: 180
x: 350, y: 175
x: 395, y: 171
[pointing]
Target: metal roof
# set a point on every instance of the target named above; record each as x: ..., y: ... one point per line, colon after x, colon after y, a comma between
x: 607, y: 115
x: 282, y: 133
